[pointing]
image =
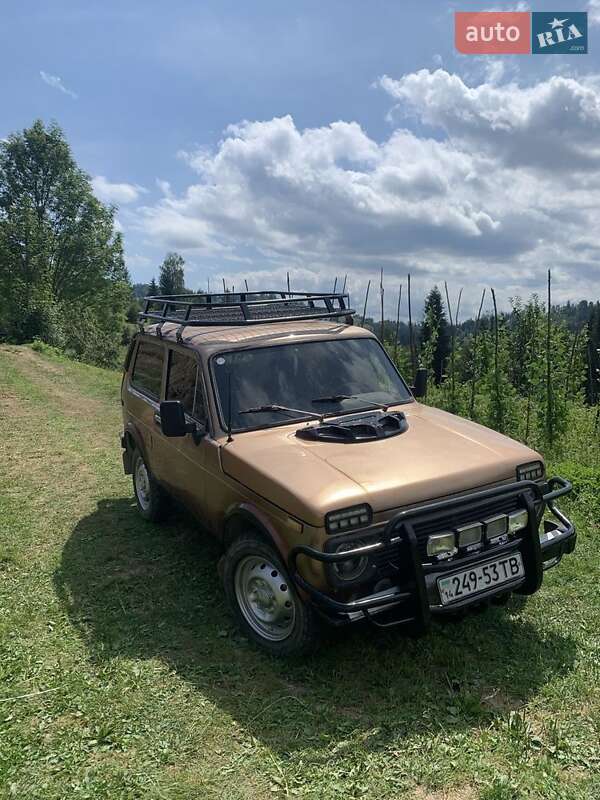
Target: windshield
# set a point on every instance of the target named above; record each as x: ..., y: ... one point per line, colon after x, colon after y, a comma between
x: 326, y: 377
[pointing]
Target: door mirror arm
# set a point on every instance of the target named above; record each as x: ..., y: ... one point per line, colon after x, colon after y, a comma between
x: 198, y: 432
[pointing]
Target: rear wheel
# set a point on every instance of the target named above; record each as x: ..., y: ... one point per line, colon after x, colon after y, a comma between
x: 151, y: 499
x: 265, y: 604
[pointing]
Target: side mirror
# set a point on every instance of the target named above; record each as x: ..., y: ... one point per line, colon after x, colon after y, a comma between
x: 173, y: 423
x: 172, y: 418
x: 420, y: 387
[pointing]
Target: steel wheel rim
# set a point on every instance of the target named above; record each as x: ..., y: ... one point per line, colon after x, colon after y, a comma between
x: 264, y: 598
x: 142, y: 484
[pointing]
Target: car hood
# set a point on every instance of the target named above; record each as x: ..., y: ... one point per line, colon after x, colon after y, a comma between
x: 439, y: 455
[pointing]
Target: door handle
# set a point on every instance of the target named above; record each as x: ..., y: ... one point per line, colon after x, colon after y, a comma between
x: 157, y: 419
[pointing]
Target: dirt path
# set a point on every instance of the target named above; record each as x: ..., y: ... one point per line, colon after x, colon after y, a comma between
x: 53, y: 379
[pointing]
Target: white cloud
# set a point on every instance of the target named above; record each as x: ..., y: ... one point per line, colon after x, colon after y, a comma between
x: 165, y: 187
x: 594, y: 12
x: 118, y: 193
x: 554, y: 124
x: 56, y: 83
x: 511, y: 188
x: 136, y: 261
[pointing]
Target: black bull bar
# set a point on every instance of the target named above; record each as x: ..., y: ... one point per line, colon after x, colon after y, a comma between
x: 416, y: 581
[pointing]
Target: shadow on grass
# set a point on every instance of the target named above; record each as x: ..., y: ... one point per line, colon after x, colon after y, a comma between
x: 141, y: 591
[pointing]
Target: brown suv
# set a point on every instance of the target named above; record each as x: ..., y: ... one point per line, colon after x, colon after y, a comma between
x: 336, y: 495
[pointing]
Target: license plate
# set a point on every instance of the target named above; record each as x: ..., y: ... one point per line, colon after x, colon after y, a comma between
x: 480, y: 577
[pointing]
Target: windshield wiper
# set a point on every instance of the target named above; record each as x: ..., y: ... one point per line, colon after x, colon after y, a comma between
x: 337, y: 398
x: 281, y: 410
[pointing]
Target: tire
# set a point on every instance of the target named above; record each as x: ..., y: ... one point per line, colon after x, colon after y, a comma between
x: 263, y: 601
x: 151, y: 500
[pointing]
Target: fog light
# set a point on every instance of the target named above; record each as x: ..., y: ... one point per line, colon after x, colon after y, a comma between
x: 518, y: 520
x: 442, y: 545
x: 469, y: 535
x: 352, y: 568
x: 495, y: 526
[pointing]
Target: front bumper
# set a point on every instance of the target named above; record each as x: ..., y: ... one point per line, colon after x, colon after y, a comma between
x: 413, y: 596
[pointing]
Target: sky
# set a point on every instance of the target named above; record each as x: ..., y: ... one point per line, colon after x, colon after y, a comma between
x: 323, y: 140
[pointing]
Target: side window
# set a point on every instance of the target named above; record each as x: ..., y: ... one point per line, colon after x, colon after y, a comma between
x: 148, y: 367
x: 184, y: 384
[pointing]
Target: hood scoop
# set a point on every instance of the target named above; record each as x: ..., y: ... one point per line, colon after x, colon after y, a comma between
x: 366, y: 428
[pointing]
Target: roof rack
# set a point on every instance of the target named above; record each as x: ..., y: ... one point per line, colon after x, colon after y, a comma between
x: 243, y: 308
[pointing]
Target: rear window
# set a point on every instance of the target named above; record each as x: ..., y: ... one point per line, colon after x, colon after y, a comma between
x: 184, y: 384
x: 147, y: 371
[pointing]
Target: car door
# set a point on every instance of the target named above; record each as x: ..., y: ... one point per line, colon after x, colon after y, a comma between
x: 144, y: 395
x: 185, y: 383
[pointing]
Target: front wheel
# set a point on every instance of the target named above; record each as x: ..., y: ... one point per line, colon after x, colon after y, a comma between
x: 265, y: 604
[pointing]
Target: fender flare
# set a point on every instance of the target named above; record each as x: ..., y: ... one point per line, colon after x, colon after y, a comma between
x: 132, y: 435
x: 248, y: 513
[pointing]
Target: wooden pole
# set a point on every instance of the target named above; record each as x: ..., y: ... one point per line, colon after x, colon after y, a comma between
x: 381, y: 292
x: 474, y: 373
x: 334, y: 285
x: 365, y: 306
x: 499, y: 410
x: 288, y: 282
x: 550, y: 404
x: 452, y: 335
x: 410, y: 333
x: 246, y: 282
x: 572, y: 362
x: 397, y: 323
x: 453, y: 326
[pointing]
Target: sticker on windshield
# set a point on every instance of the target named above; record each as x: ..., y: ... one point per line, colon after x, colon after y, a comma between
x: 220, y: 361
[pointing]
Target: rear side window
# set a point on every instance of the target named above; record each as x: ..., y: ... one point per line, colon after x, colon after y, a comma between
x: 184, y: 384
x: 147, y: 371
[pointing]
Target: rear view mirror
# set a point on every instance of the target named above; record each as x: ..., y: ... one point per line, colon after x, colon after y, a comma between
x: 172, y: 419
x: 420, y: 387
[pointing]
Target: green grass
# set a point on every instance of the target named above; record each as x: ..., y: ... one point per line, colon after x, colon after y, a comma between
x: 137, y: 685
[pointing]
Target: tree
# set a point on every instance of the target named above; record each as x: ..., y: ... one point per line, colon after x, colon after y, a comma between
x: 152, y: 288
x: 62, y: 273
x: 435, y: 341
x: 171, y: 279
x: 592, y: 384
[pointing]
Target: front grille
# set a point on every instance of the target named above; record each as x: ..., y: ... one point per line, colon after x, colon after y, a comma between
x: 439, y: 522
x: 461, y: 515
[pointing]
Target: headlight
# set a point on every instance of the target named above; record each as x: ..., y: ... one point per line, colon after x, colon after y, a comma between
x: 352, y: 568
x: 533, y: 471
x: 348, y: 519
x: 442, y: 545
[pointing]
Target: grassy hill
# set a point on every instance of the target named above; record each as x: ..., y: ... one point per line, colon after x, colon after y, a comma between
x: 122, y: 676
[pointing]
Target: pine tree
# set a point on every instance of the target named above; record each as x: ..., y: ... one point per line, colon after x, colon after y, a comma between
x: 153, y: 287
x: 435, y: 340
x: 171, y: 279
x: 592, y: 384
